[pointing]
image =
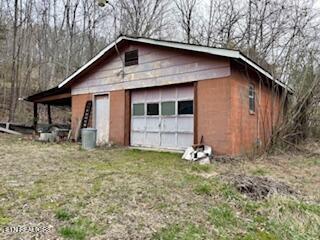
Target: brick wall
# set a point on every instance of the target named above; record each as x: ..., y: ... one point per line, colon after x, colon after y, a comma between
x: 213, y: 114
x: 247, y: 128
x: 223, y: 117
x: 78, y: 104
x: 222, y: 114
x: 117, y: 117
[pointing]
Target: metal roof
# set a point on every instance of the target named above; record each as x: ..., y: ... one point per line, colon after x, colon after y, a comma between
x: 234, y: 54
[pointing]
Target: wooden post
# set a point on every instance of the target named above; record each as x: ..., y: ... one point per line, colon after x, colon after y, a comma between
x: 49, y: 114
x: 35, y: 116
x: 195, y: 114
x: 127, y: 120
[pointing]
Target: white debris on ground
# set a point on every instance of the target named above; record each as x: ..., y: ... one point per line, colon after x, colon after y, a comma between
x: 198, y: 153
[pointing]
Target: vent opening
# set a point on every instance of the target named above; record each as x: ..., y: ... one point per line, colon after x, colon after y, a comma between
x: 131, y: 58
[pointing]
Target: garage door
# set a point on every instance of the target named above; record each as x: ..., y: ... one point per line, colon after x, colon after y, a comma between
x: 162, y: 118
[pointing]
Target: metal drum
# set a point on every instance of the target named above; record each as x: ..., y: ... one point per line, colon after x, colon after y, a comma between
x: 88, y: 138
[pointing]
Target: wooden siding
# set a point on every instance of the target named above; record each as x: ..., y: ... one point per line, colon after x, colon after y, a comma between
x: 157, y: 67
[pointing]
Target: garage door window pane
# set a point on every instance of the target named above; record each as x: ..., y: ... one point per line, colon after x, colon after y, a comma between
x: 185, y: 107
x: 153, y: 109
x: 138, y: 109
x: 168, y: 108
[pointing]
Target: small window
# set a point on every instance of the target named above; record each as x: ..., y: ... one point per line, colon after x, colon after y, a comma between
x: 168, y: 108
x: 252, y: 98
x: 153, y: 109
x: 131, y: 58
x: 138, y: 109
x: 185, y: 107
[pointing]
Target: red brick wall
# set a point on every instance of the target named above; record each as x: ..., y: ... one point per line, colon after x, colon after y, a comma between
x: 221, y: 112
x: 119, y: 130
x: 117, y: 117
x: 248, y: 128
x: 213, y: 114
x: 78, y: 104
x: 223, y: 117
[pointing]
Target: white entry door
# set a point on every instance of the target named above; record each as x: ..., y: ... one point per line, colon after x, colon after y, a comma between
x: 162, y: 118
x: 102, y: 118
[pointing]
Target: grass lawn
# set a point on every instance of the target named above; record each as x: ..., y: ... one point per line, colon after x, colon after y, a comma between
x: 132, y: 194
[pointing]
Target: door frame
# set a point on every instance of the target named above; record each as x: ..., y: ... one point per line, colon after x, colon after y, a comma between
x: 94, y: 109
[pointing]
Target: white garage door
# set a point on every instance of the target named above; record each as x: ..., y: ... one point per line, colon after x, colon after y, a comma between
x: 162, y: 118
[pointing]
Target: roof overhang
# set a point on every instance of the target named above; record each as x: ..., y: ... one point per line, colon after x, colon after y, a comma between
x: 55, y: 96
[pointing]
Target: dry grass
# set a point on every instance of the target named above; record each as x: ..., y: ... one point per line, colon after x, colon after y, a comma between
x: 300, y: 172
x: 131, y: 194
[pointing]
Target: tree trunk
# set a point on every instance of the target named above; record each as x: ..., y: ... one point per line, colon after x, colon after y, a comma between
x: 14, y: 63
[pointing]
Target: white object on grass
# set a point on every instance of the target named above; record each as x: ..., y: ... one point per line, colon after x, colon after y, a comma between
x: 201, y: 155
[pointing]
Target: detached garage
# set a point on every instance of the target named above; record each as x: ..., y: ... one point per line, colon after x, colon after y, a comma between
x: 166, y: 95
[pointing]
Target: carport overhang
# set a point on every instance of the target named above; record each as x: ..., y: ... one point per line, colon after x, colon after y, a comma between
x: 56, y: 96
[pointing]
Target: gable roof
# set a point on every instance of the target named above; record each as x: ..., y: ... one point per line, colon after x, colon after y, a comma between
x: 234, y: 54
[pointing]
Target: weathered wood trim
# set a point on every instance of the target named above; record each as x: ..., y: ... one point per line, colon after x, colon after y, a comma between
x: 127, y: 124
x: 152, y: 82
x: 154, y: 69
x: 55, y: 97
x: 195, y: 113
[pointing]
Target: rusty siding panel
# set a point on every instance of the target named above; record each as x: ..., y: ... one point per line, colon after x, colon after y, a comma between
x: 157, y: 67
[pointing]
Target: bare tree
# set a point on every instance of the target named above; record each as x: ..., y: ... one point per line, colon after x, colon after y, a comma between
x: 186, y: 12
x: 42, y: 41
x: 14, y: 64
x: 71, y: 14
x: 141, y: 17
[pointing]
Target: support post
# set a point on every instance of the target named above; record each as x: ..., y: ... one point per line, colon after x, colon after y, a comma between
x: 195, y: 114
x: 35, y: 116
x: 49, y: 114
